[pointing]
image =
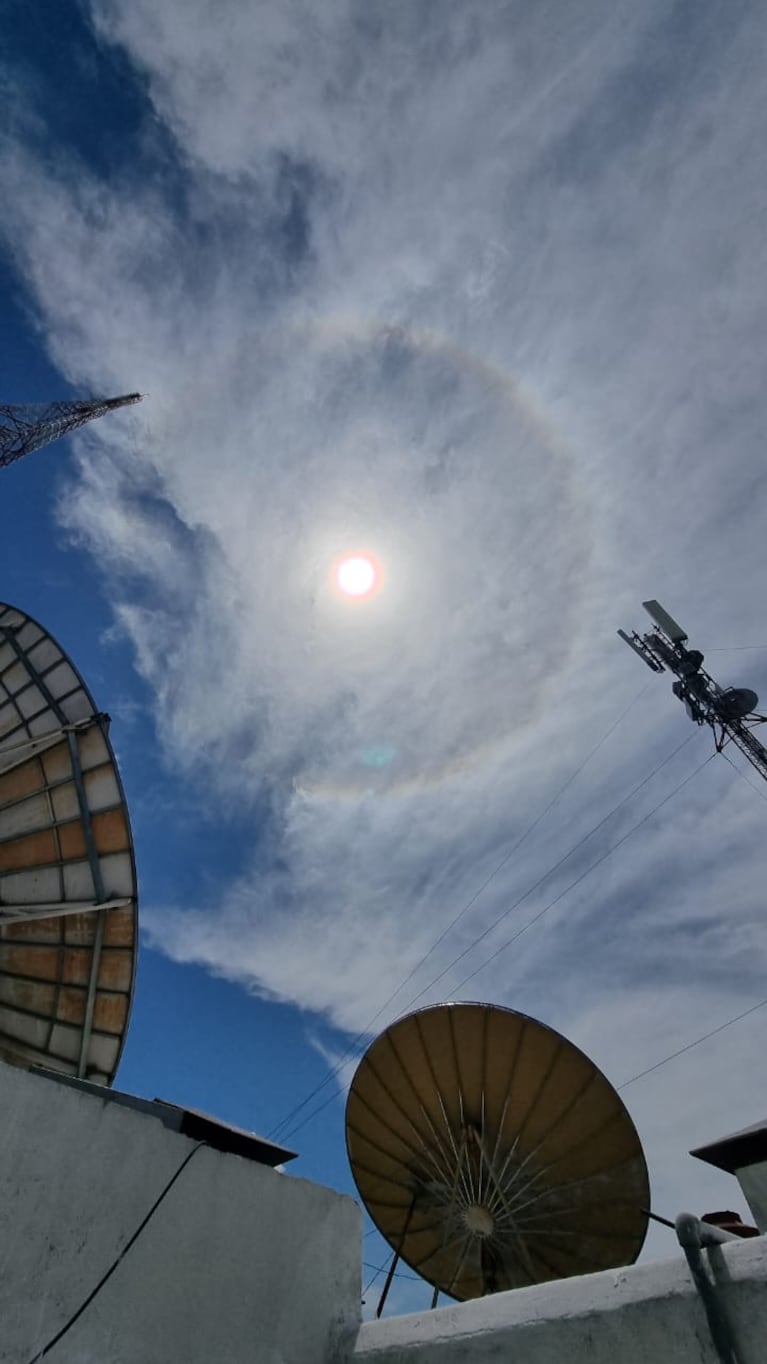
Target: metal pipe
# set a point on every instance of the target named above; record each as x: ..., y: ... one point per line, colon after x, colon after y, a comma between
x: 395, y: 1260
x: 98, y: 887
x: 693, y: 1235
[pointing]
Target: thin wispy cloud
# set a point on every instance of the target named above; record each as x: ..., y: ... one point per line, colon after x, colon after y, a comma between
x: 475, y: 287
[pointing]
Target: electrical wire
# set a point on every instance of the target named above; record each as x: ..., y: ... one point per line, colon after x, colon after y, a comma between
x: 690, y: 1045
x: 369, y: 1285
x: 131, y: 1242
x: 743, y: 776
x: 297, y: 1127
x: 331, y: 1075
x: 413, y: 1278
x: 354, y: 1047
x: 491, y: 927
x: 508, y: 942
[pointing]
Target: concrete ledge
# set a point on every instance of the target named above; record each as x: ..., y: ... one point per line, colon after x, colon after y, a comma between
x: 630, y: 1316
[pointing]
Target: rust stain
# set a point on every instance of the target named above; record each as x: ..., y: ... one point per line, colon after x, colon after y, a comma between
x: 56, y: 763
x: 33, y: 850
x: 72, y: 841
x: 26, y: 994
x: 79, y: 929
x: 118, y: 928
x: 71, y: 1005
x: 77, y: 966
x: 42, y: 930
x: 116, y: 969
x: 110, y: 832
x: 22, y: 781
x: 109, y: 1011
x: 41, y: 963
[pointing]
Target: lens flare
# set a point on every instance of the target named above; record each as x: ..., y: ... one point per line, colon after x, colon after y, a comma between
x: 356, y: 575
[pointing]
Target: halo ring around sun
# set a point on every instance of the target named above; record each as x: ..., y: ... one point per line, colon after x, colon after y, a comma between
x: 327, y: 333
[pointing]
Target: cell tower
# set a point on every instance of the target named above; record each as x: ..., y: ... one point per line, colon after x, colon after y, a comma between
x: 25, y: 427
x: 730, y: 711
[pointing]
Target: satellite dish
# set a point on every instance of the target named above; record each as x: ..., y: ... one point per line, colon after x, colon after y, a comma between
x: 68, y: 911
x: 492, y: 1154
x: 736, y: 703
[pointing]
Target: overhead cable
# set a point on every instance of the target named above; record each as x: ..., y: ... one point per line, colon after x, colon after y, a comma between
x: 297, y: 1127
x: 614, y: 848
x: 355, y: 1045
x: 690, y: 1045
x: 759, y: 790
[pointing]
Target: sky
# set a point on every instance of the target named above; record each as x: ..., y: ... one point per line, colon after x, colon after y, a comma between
x: 473, y: 287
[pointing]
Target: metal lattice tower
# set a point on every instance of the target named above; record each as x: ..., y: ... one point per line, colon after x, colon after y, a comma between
x: 730, y: 711
x: 25, y: 427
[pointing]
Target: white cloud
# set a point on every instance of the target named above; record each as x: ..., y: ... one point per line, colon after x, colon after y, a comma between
x: 472, y: 285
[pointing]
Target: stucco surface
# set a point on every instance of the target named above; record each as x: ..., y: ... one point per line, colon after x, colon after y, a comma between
x: 239, y: 1263
x: 642, y: 1314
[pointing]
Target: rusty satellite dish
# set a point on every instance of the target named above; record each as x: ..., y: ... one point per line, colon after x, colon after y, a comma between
x: 68, y: 906
x: 492, y: 1154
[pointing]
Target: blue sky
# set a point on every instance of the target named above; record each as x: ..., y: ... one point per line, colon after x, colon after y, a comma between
x: 476, y: 287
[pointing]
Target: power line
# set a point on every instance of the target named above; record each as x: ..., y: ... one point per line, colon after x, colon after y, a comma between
x: 735, y: 768
x: 353, y: 1047
x: 412, y: 1278
x: 297, y: 1127
x: 584, y: 874
x: 369, y: 1285
x: 521, y: 898
x: 737, y: 649
x: 530, y: 829
x: 331, y: 1075
x: 705, y: 1037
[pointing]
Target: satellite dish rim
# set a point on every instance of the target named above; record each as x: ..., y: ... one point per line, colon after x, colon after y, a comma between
x: 525, y: 1019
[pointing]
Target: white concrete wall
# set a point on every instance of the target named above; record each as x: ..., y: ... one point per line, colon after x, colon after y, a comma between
x: 241, y: 1265
x: 238, y: 1264
x: 645, y: 1314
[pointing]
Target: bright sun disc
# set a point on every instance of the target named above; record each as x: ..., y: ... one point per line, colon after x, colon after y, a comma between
x: 356, y: 576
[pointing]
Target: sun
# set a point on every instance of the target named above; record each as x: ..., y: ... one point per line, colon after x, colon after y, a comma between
x: 356, y: 575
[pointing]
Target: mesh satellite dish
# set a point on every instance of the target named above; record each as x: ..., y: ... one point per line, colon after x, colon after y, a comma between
x: 68, y: 911
x: 492, y: 1154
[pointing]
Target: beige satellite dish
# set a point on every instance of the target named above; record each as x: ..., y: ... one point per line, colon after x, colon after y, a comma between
x: 68, y: 910
x: 492, y: 1154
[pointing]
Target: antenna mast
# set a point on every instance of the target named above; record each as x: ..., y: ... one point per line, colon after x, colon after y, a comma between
x: 730, y: 711
x: 25, y: 427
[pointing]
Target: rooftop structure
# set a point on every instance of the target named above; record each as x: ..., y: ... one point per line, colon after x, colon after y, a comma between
x: 743, y: 1154
x: 130, y: 1242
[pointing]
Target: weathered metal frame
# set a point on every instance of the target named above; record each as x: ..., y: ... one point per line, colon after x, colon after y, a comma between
x: 660, y: 651
x: 25, y: 427
x: 33, y: 746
